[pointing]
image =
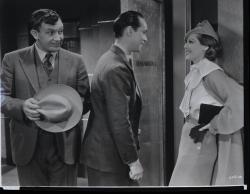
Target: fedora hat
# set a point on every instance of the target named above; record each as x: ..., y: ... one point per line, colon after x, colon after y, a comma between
x: 203, y: 27
x: 60, y: 108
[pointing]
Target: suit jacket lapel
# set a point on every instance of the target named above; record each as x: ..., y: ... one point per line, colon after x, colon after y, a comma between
x: 27, y: 61
x: 138, y: 90
x: 122, y: 55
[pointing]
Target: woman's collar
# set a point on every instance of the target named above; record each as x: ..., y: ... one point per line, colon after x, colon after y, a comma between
x: 205, y: 66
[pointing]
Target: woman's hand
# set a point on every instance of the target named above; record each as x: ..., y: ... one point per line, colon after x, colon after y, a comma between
x: 198, y: 132
x: 209, y: 127
x: 204, y: 127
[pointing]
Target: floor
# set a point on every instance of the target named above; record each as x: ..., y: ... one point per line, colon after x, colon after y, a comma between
x: 10, y: 181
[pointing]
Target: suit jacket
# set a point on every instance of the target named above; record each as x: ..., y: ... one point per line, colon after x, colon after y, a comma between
x: 19, y: 82
x: 111, y: 138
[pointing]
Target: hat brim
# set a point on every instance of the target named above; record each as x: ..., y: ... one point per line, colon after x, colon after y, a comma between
x: 75, y: 100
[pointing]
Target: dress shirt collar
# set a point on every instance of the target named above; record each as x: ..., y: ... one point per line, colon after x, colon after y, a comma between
x: 42, y: 54
x: 128, y: 56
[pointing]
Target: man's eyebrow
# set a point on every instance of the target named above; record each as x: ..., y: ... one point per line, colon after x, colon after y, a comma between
x: 51, y: 28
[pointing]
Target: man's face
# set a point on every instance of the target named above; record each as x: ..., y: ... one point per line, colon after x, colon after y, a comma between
x: 139, y: 36
x: 49, y: 37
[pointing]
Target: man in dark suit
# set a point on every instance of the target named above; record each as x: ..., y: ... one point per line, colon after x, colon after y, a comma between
x: 110, y: 145
x: 42, y: 158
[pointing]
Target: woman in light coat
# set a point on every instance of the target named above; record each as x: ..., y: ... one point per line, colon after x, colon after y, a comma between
x: 217, y: 157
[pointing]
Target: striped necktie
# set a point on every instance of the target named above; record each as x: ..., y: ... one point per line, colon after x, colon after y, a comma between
x: 47, y: 64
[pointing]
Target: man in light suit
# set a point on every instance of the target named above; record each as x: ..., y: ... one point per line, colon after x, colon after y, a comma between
x: 110, y: 145
x: 42, y: 158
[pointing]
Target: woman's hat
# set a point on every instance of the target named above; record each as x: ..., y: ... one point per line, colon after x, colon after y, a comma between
x: 60, y: 108
x: 203, y: 27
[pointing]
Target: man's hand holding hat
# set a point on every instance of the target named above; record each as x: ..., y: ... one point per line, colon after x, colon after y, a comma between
x: 30, y: 107
x: 56, y: 108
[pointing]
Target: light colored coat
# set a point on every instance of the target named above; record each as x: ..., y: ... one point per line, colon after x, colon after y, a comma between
x: 229, y: 169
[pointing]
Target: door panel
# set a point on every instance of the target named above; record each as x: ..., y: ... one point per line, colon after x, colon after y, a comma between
x: 149, y: 69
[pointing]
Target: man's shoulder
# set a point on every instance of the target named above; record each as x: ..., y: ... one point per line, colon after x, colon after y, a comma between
x: 70, y: 53
x: 109, y: 56
x: 109, y: 62
x: 19, y: 51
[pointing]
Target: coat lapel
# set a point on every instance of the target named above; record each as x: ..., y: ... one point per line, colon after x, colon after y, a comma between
x: 27, y: 61
x: 138, y: 90
x: 122, y: 55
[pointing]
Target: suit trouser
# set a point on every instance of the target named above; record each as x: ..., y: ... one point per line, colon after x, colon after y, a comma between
x: 46, y: 168
x: 99, y: 178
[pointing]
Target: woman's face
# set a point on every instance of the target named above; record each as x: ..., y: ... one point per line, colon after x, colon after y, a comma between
x: 194, y: 51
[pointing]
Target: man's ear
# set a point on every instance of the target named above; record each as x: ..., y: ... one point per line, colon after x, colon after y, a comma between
x: 129, y: 30
x: 34, y: 33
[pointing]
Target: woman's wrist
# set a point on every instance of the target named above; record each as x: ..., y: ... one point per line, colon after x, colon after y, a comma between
x: 212, y: 130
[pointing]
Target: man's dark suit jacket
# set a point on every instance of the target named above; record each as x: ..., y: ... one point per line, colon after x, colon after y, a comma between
x: 19, y: 82
x: 111, y: 138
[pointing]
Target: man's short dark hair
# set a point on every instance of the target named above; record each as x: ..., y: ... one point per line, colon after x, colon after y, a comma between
x: 47, y: 16
x: 129, y: 18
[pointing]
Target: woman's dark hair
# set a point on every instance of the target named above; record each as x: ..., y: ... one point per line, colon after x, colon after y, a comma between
x: 129, y: 18
x: 214, y: 47
x: 47, y: 16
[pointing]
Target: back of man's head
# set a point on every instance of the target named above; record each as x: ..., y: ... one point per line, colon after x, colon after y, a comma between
x: 128, y: 18
x: 47, y: 16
